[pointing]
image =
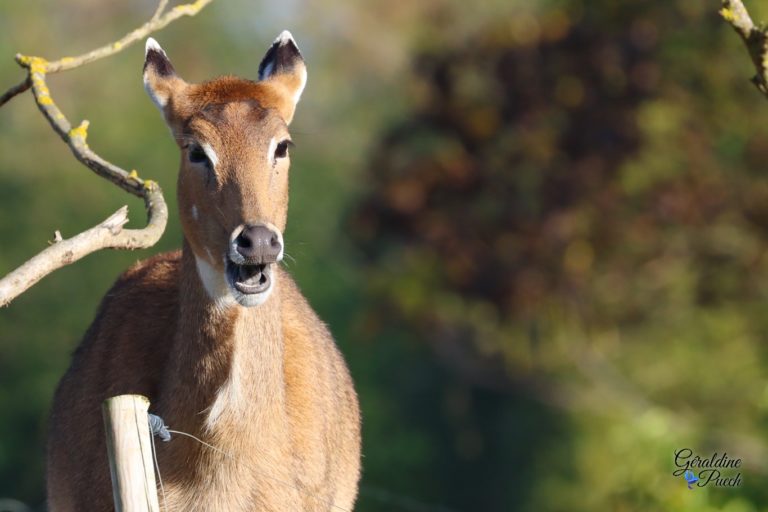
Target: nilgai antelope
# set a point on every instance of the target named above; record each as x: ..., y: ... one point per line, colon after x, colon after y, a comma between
x: 217, y: 335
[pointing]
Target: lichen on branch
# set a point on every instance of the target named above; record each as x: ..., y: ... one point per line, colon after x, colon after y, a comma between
x: 755, y: 38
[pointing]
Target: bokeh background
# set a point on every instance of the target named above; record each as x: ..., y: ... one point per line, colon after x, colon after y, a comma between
x: 538, y: 230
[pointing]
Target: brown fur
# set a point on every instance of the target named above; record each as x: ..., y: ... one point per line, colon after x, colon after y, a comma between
x: 287, y: 411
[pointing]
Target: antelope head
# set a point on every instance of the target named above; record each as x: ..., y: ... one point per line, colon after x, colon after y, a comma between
x: 233, y: 181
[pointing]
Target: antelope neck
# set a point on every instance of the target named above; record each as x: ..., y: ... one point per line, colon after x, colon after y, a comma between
x: 224, y: 359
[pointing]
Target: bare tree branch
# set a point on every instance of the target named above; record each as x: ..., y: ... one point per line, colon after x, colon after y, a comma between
x: 19, y: 88
x: 157, y: 22
x: 63, y: 252
x: 754, y: 37
x: 110, y: 233
x: 159, y: 11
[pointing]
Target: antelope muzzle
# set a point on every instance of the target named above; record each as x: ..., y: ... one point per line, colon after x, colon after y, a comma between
x: 254, y: 248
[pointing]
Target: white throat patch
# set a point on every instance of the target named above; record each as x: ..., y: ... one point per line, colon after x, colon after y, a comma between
x: 219, y: 291
x: 215, y: 284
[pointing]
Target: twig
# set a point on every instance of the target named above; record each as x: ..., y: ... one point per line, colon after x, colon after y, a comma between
x: 159, y: 11
x: 157, y: 22
x: 62, y: 252
x: 19, y: 88
x: 755, y: 39
x: 110, y: 233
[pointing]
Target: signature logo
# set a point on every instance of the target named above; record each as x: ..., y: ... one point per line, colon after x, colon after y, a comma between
x: 719, y: 470
x: 690, y: 478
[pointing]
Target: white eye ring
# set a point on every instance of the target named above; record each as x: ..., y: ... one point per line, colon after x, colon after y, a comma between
x: 211, y: 154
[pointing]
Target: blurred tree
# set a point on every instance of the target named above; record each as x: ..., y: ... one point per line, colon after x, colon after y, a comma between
x: 572, y: 210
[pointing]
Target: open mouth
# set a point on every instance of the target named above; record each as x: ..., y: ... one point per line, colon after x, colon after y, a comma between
x: 249, y: 279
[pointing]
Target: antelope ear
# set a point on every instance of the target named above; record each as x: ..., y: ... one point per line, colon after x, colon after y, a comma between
x: 283, y: 66
x: 160, y: 79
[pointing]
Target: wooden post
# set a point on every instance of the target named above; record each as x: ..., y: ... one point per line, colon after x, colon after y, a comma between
x: 130, y: 453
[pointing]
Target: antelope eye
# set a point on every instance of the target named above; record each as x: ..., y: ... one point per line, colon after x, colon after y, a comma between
x: 282, y: 149
x: 197, y: 155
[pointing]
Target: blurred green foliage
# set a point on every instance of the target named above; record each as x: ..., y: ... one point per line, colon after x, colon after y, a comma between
x: 573, y: 210
x: 537, y: 229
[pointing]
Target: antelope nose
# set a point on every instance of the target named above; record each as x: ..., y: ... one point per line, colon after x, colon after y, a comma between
x: 258, y: 244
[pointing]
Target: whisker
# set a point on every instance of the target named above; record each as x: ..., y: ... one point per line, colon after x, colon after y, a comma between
x: 157, y: 468
x: 221, y: 213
